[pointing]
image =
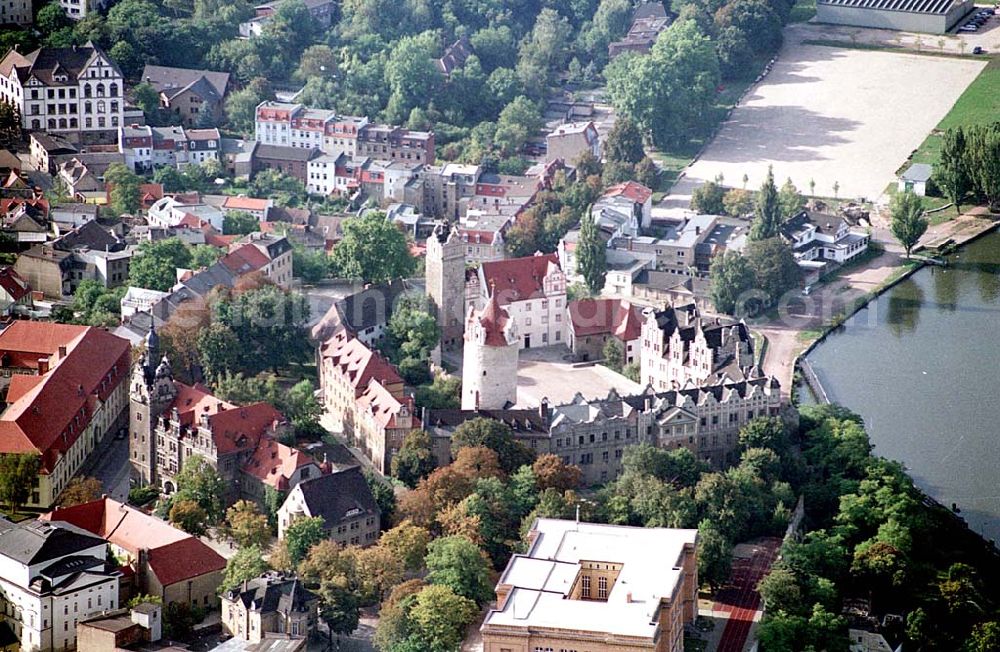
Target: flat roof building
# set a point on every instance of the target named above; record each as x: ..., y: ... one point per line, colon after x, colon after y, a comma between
x: 929, y: 16
x: 605, y: 587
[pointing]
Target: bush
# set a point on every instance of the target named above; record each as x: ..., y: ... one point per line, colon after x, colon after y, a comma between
x: 143, y: 495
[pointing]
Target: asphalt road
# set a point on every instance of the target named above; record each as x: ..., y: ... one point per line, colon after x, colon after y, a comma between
x: 109, y: 464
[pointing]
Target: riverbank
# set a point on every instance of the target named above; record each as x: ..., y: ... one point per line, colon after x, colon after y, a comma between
x: 808, y: 321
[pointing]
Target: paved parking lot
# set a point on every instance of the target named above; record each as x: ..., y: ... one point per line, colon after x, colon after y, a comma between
x: 833, y: 115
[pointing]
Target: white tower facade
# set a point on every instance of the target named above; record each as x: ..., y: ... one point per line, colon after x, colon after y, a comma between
x: 489, y: 370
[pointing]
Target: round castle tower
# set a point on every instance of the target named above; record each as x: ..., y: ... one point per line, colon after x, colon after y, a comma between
x: 489, y: 371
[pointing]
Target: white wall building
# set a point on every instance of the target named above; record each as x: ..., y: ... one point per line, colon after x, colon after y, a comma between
x: 168, y: 212
x: 70, y: 89
x: 533, y: 291
x: 52, y: 576
x: 489, y: 369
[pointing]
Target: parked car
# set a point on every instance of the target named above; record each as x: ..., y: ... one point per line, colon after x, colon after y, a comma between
x: 977, y: 50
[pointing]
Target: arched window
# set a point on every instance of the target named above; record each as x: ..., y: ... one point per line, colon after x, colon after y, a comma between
x: 86, y: 90
x: 36, y: 124
x: 62, y: 123
x: 88, y: 107
x: 52, y: 123
x: 73, y: 124
x: 100, y: 90
x: 100, y: 106
x: 113, y: 90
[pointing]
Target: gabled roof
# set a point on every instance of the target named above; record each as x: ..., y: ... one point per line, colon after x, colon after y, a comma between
x: 48, y: 417
x: 383, y: 407
x: 455, y: 56
x: 126, y: 527
x: 273, y: 463
x: 246, y: 204
x: 244, y: 260
x: 35, y: 542
x: 518, y: 279
x: 612, y: 316
x: 184, y: 560
x: 339, y: 495
x: 13, y: 284
x: 357, y: 362
x: 45, y: 63
x: 632, y: 190
x: 273, y: 592
x: 234, y: 428
x: 209, y: 84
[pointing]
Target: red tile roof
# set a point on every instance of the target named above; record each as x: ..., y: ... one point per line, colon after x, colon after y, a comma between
x: 611, y: 316
x: 245, y: 259
x: 493, y: 320
x: 274, y: 464
x: 245, y: 204
x: 174, y: 555
x: 358, y: 363
x: 12, y: 282
x: 233, y: 428
x: 382, y: 405
x: 47, y: 415
x: 184, y: 560
x: 632, y: 190
x: 10, y: 203
x: 518, y: 279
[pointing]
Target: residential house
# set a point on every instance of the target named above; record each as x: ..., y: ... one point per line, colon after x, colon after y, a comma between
x: 624, y: 209
x: 680, y: 346
x: 483, y: 237
x: 51, y: 576
x: 819, y: 241
x: 159, y: 559
x: 65, y: 90
x: 321, y: 11
x: 89, y: 251
x: 9, y: 161
x: 342, y: 499
x: 15, y: 293
x: 291, y: 161
x: 592, y: 323
x: 67, y: 392
x: 80, y: 9
x: 278, y: 467
x: 117, y: 629
x: 16, y: 12
x: 47, y: 151
x: 66, y: 217
x: 916, y: 178
x: 26, y: 221
x: 570, y: 141
x: 364, y: 314
x: 259, y: 208
x: 454, y: 57
x: 139, y: 300
x: 271, y: 603
x: 648, y: 20
x: 171, y: 211
x: 596, y: 587
x: 146, y: 148
x: 273, y: 257
x: 533, y: 290
x: 196, y: 97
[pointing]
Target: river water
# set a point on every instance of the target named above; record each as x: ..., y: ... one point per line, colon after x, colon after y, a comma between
x: 922, y: 366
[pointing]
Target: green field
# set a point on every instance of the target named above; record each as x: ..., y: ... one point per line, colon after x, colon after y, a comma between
x: 979, y: 104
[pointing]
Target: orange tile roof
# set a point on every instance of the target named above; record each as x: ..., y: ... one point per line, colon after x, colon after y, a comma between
x: 382, y: 405
x: 612, y: 316
x: 245, y: 259
x: 46, y: 416
x: 518, y: 279
x: 358, y: 363
x: 233, y: 428
x: 12, y: 282
x: 630, y: 190
x: 183, y: 560
x: 274, y: 464
x: 245, y: 204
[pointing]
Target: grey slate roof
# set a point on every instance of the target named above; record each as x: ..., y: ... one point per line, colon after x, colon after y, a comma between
x: 206, y: 83
x: 334, y: 495
x: 272, y: 592
x: 34, y: 542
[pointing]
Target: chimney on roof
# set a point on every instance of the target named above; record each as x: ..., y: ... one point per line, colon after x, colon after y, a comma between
x: 43, y: 366
x: 628, y: 597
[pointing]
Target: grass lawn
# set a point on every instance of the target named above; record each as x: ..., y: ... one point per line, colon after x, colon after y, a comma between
x: 979, y: 104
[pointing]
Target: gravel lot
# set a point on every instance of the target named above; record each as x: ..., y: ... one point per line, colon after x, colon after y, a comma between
x: 833, y: 115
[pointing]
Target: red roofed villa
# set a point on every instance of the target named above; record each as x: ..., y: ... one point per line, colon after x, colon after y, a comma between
x: 593, y: 322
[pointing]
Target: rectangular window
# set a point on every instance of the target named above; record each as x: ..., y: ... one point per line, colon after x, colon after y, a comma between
x: 585, y: 587
x: 602, y: 588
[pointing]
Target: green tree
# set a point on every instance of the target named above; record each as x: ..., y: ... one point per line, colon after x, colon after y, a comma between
x: 312, y: 266
x: 147, y: 99
x: 774, y: 267
x: 715, y: 554
x: 198, y: 481
x: 767, y: 210
x: 908, y: 221
x: 80, y: 490
x: 780, y: 590
x: 10, y: 126
x: 707, y: 199
x: 457, y: 563
x: 155, y: 265
x: 247, y: 564
x: 518, y: 122
x: 51, y: 18
x: 983, y: 147
x: 124, y: 188
x: 494, y: 435
x: 409, y: 543
x: 731, y: 277
x: 984, y: 637
x: 764, y: 432
x: 372, y: 249
x: 239, y: 223
x: 218, y: 350
x: 204, y: 256
x: 302, y: 535
x: 269, y: 325
x: 543, y: 51
x: 738, y: 202
x: 246, y: 525
x: 444, y: 393
x: 411, y: 75
x: 624, y: 142
x: 790, y: 200
x: 18, y: 473
x: 414, y: 459
x: 614, y: 355
x: 189, y: 516
x: 591, y: 255
x: 668, y: 92
x: 952, y: 174
x: 439, y: 616
x: 339, y: 606
x: 384, y: 496
x: 241, y: 105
